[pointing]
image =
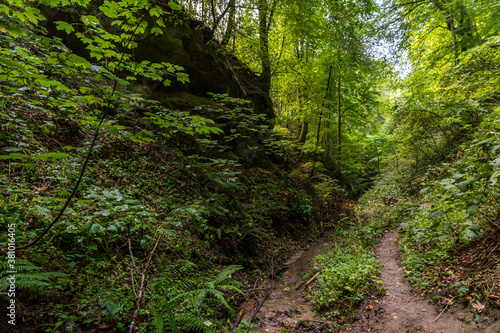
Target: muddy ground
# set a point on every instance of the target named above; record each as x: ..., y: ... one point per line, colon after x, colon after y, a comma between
x: 399, y: 311
x: 285, y: 307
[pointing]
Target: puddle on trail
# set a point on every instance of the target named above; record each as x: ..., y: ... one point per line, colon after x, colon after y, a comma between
x: 286, y: 306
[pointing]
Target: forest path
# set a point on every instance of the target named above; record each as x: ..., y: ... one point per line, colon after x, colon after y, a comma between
x: 399, y: 311
x: 402, y: 311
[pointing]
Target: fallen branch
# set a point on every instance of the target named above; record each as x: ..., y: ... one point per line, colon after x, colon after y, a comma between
x: 240, y: 316
x: 140, y: 295
x: 310, y: 280
x: 261, y: 303
x: 131, y: 270
x: 254, y: 289
x: 238, y: 320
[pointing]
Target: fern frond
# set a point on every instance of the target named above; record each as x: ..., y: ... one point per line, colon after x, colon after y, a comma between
x: 220, y: 297
x: 231, y: 288
x: 226, y: 273
x: 28, y: 275
x: 158, y: 323
x: 196, y: 324
x: 183, y: 297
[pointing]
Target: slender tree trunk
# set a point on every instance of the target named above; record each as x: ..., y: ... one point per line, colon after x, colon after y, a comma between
x: 266, y: 12
x: 451, y: 27
x: 326, y: 139
x: 230, y: 23
x: 320, y: 119
x: 464, y: 29
x: 203, y: 12
x: 303, y: 131
x: 214, y: 17
x: 339, y: 123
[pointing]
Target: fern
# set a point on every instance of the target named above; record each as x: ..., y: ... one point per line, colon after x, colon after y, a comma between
x: 158, y: 321
x: 28, y: 275
x: 170, y: 322
x: 183, y: 300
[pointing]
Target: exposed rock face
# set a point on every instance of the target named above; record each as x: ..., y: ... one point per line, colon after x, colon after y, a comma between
x: 187, y: 43
x: 210, y: 68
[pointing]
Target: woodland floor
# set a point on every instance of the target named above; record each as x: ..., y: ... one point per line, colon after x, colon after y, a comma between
x: 400, y: 311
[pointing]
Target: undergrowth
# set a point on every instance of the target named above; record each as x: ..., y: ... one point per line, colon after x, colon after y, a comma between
x: 349, y: 271
x: 169, y: 180
x: 447, y: 218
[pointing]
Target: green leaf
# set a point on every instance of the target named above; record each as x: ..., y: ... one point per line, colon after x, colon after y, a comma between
x: 156, y: 31
x: 14, y: 31
x: 156, y: 11
x: 494, y: 178
x: 174, y: 6
x: 50, y: 155
x: 435, y: 213
x: 92, y: 246
x: 470, y: 234
x: 463, y: 185
x: 108, y: 11
x: 9, y: 62
x: 471, y: 208
x: 495, y: 162
x: 78, y: 61
x: 12, y: 156
x: 494, y: 148
x: 95, y: 228
x: 61, y: 25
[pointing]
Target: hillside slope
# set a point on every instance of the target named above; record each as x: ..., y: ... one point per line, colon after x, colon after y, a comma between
x: 163, y: 196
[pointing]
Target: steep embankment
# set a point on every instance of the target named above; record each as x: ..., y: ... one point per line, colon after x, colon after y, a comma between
x: 180, y: 191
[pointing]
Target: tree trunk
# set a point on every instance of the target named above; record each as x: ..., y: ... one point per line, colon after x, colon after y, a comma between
x: 320, y: 119
x: 303, y: 131
x: 451, y: 27
x: 230, y: 23
x: 265, y: 16
x: 339, y: 123
x: 326, y: 139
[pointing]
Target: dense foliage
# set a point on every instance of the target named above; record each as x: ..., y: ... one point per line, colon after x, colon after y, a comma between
x: 115, y: 196
x: 442, y: 173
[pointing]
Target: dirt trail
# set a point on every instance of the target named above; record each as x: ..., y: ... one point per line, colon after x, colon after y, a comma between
x: 400, y: 311
x: 404, y: 311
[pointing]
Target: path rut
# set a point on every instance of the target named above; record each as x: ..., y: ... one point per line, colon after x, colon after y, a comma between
x: 403, y: 311
x: 286, y: 308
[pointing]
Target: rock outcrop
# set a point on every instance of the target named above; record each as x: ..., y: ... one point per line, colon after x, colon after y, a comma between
x: 187, y: 43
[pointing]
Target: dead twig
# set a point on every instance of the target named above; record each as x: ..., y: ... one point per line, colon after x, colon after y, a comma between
x: 254, y: 289
x: 238, y: 320
x: 261, y: 303
x: 131, y: 270
x: 446, y: 307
